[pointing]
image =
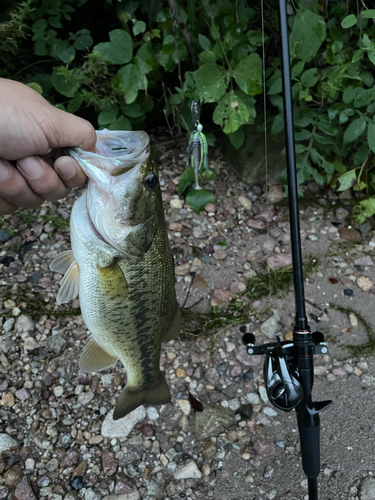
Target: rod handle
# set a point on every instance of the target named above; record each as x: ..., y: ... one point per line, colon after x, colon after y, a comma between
x: 310, y: 449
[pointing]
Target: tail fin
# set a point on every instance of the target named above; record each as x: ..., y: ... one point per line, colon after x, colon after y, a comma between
x: 131, y: 398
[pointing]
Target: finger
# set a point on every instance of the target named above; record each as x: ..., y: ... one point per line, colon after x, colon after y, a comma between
x: 6, y: 208
x: 63, y: 130
x: 42, y: 179
x: 69, y: 171
x: 14, y: 189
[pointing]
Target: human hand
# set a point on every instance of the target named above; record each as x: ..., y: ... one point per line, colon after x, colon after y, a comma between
x: 33, y: 167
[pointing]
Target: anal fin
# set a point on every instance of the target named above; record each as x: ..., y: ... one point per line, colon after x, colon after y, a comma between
x: 69, y: 286
x: 174, y: 326
x: 130, y: 398
x: 94, y: 358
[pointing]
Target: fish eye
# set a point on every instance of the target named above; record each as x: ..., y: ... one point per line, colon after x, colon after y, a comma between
x: 151, y: 181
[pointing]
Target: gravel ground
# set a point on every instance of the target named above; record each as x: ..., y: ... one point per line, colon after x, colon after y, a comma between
x: 57, y: 438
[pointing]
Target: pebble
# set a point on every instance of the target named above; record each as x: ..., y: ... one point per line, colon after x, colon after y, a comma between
x: 236, y: 371
x: 8, y: 324
x: 212, y: 376
x: 209, y: 451
x: 3, y: 492
x: 349, y: 234
x: 364, y: 283
x: 7, y: 445
x: 245, y: 202
x: 58, y: 391
x: 367, y: 488
x: 7, y: 399
x: 220, y: 254
x: 206, y: 470
x: 29, y: 344
x: 22, y: 394
x: 90, y: 494
x: 184, y: 405
x: 180, y: 373
x: 13, y: 476
x: 237, y: 287
x: 122, y: 428
x: 29, y: 464
x: 95, y: 439
x: 109, y: 463
x: 52, y: 465
x: 182, y: 270
x: 275, y: 195
x: 152, y: 413
x: 221, y: 297
x: 5, y: 235
x: 188, y: 470
x: 255, y: 224
x: 264, y: 448
x: 353, y: 320
x: 23, y: 490
x: 176, y: 203
x: 363, y: 261
x: 271, y: 326
x: 85, y: 398
x: 199, y: 282
x: 279, y: 260
x: 134, y: 495
x: 211, y: 421
x: 24, y: 324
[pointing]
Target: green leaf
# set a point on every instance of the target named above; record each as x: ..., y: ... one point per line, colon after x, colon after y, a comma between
x: 83, y: 40
x: 62, y: 83
x: 132, y: 79
x: 231, y: 112
x: 349, y: 21
x: 145, y: 58
x: 75, y: 103
x: 132, y: 110
x: 204, y: 42
x: 371, y: 136
x: 369, y: 207
x: 368, y: 14
x: 119, y: 50
x: 207, y: 57
x: 347, y: 180
x: 237, y: 138
x: 187, y: 178
x: 39, y: 26
x: 63, y: 51
x: 197, y: 199
x: 355, y: 129
x: 309, y: 77
x: 348, y: 95
x: 122, y: 123
x: 371, y: 56
x: 35, y: 86
x: 276, y: 87
x: 106, y: 117
x: 248, y: 74
x: 211, y: 81
x: 308, y: 34
x: 298, y: 68
x: 139, y: 27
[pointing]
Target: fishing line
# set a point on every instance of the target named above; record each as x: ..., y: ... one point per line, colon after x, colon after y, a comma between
x: 265, y: 144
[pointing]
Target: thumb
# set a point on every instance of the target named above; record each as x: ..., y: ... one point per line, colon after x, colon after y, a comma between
x: 63, y: 130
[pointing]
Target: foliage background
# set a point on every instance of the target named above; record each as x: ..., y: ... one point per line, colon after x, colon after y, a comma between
x: 134, y: 64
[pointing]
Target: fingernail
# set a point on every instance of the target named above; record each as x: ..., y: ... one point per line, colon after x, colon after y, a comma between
x: 30, y: 167
x: 67, y: 170
x: 4, y: 171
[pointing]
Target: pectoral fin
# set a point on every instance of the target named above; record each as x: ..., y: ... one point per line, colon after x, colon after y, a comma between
x: 94, y: 358
x: 69, y: 287
x: 175, y: 325
x: 62, y: 262
x: 131, y: 398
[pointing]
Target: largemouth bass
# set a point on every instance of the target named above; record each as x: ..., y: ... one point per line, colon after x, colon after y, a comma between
x: 121, y: 265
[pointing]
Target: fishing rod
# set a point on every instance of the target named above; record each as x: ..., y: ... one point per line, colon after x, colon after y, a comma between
x: 288, y: 366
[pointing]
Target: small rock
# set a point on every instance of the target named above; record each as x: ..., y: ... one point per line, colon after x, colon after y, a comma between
x: 90, y: 494
x: 85, y: 398
x: 198, y: 232
x: 175, y: 226
x: 29, y: 344
x: 256, y: 224
x: 210, y: 208
x: 279, y: 260
x: 24, y: 491
x: 235, y: 371
x: 245, y: 202
x: 363, y: 261
x: 212, y: 376
x: 180, y: 373
x: 353, y: 319
x: 77, y: 483
x: 185, y: 406
x: 221, y: 297
x: 52, y: 465
x: 212, y: 421
x: 8, y: 324
x: 122, y: 428
x: 275, y: 195
x: 264, y: 448
x: 349, y: 234
x: 109, y: 463
x: 58, y: 391
x: 152, y: 413
x: 199, y: 282
x: 22, y: 394
x: 220, y: 254
x: 188, y: 470
x: 237, y: 287
x: 134, y: 495
x: 182, y: 270
x: 367, y: 488
x: 364, y: 283
x: 56, y: 343
x: 206, y: 470
x: 96, y: 439
x: 7, y: 445
x: 176, y: 203
x: 7, y: 399
x: 271, y: 326
x: 209, y: 451
x: 13, y: 476
x: 5, y: 235
x: 29, y: 464
x: 3, y: 492
x: 24, y: 324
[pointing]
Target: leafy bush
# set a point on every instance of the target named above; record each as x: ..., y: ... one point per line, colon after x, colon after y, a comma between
x: 131, y: 64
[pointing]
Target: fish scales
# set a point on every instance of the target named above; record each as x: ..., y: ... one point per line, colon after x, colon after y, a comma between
x: 122, y: 257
